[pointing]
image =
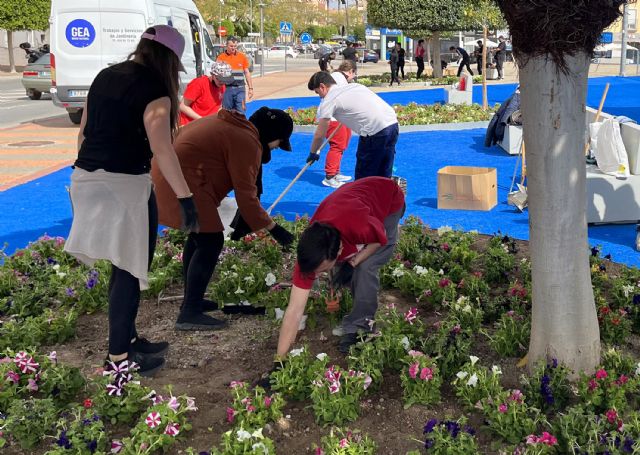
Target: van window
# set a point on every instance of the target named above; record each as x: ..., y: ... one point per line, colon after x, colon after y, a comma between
x: 208, y: 45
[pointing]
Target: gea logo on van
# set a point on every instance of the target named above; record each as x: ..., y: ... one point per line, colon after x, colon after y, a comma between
x: 80, y: 33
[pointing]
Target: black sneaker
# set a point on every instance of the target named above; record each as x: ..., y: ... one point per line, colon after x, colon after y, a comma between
x: 144, y: 346
x: 209, y: 305
x: 147, y: 364
x: 198, y: 321
x: 346, y: 341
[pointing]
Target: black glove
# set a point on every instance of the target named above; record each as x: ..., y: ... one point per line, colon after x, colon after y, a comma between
x: 282, y: 236
x: 189, y: 214
x: 342, y: 275
x: 240, y: 227
x: 313, y: 157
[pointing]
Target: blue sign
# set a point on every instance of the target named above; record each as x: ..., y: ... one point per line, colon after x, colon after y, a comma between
x: 80, y: 33
x: 390, y: 31
x: 606, y: 38
x: 285, y: 28
x: 306, y: 38
x: 368, y: 30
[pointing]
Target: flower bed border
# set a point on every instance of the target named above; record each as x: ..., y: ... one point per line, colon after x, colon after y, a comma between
x: 414, y: 128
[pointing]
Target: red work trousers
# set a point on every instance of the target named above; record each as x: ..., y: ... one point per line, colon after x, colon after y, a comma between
x: 337, y: 145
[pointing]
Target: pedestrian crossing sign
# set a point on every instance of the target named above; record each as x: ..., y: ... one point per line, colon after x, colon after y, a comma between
x: 285, y: 28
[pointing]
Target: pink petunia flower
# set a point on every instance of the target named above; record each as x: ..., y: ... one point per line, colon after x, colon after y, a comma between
x: 12, y: 376
x: 532, y: 439
x: 612, y: 416
x: 367, y: 382
x: 173, y: 404
x: 251, y: 408
x: 32, y: 385
x: 503, y: 408
x: 235, y: 384
x: 413, y: 370
x: 601, y: 374
x: 172, y: 429
x: 319, y: 451
x: 334, y: 387
x: 593, y: 384
x: 267, y: 402
x: 517, y: 396
x: 231, y: 415
x: 548, y: 439
x: 153, y: 419
x: 116, y: 446
x: 413, y: 353
x: 53, y: 356
x: 411, y: 315
x: 426, y: 374
x: 343, y: 443
x: 25, y: 363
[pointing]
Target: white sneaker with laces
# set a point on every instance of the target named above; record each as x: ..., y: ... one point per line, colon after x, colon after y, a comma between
x: 337, y: 331
x: 342, y: 178
x: 332, y: 182
x: 638, y: 241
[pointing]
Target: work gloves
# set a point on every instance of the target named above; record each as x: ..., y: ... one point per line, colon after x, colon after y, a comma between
x: 342, y: 275
x: 281, y: 235
x: 189, y: 214
x: 313, y: 157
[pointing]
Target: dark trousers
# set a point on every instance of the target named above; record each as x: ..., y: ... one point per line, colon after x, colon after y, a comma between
x: 401, y: 68
x: 479, y: 66
x: 394, y: 74
x: 124, y: 294
x: 376, y: 153
x: 199, y: 260
x: 464, y: 63
x: 499, y: 65
x: 420, y: 63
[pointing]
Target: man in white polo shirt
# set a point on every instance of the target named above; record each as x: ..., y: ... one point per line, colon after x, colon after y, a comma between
x: 363, y: 112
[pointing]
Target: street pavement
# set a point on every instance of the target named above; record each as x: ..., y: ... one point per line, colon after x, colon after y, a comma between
x: 16, y: 107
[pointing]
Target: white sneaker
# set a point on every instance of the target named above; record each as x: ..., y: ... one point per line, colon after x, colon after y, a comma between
x: 337, y: 331
x: 342, y: 178
x: 638, y: 241
x: 332, y: 182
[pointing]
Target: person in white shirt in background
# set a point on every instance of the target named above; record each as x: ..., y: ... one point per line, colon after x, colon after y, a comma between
x: 365, y: 113
x: 340, y: 141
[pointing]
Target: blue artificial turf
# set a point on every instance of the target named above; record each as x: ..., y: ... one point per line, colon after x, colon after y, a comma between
x: 32, y: 209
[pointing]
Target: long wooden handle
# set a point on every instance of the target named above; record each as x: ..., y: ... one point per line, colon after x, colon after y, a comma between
x: 604, y: 97
x: 524, y: 164
x: 306, y: 166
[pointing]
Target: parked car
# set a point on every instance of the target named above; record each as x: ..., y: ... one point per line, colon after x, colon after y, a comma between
x: 248, y: 48
x: 36, y: 77
x: 367, y: 55
x: 280, y: 52
x: 219, y: 49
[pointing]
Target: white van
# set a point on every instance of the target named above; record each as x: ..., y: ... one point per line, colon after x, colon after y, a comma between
x: 89, y: 35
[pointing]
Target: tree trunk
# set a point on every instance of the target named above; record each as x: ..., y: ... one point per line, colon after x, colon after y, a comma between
x: 437, y: 67
x: 485, y: 100
x: 12, y: 61
x: 428, y: 55
x: 564, y: 319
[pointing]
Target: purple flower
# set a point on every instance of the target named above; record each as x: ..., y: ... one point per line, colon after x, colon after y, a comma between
x: 595, y: 251
x: 452, y: 427
x: 469, y: 430
x: 51, y: 261
x: 428, y: 428
x: 63, y: 441
x: 636, y: 299
x: 627, y: 447
x: 92, y: 446
x: 91, y: 283
x: 70, y: 292
x: 554, y: 363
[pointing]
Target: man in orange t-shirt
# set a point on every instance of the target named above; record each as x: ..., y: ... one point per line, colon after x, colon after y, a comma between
x: 234, y: 96
x: 203, y: 96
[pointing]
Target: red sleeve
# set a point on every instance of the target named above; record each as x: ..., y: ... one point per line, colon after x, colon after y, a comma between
x: 301, y: 280
x: 194, y: 90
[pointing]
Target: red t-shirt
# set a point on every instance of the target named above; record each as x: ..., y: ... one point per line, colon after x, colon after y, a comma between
x: 357, y: 210
x: 206, y: 98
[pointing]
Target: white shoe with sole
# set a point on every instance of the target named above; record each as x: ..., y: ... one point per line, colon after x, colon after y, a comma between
x: 342, y: 178
x: 332, y: 182
x: 337, y: 331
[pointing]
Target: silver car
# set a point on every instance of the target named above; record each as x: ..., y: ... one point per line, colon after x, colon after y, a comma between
x: 36, y: 77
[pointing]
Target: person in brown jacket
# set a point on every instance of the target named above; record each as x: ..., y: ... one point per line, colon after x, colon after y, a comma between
x: 218, y: 154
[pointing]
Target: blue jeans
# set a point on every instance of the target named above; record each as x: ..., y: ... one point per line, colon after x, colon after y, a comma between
x: 376, y: 153
x: 233, y: 97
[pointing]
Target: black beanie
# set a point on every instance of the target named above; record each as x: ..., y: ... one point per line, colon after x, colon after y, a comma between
x: 273, y: 124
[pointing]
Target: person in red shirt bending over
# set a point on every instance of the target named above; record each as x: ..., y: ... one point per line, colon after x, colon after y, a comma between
x: 354, y: 232
x: 203, y: 96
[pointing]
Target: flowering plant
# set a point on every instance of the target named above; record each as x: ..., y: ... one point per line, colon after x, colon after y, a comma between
x: 545, y: 444
x: 468, y: 314
x: 336, y: 394
x: 159, y: 425
x: 444, y: 437
x: 615, y: 324
x: 509, y: 417
x: 548, y: 387
x: 399, y: 332
x: 499, y: 261
x: 81, y: 432
x: 29, y: 420
x: 48, y: 327
x: 240, y: 279
x: 511, y: 335
x: 239, y: 441
x: 420, y: 380
x: 368, y: 358
x: 605, y: 390
x: 475, y: 382
x: 119, y: 397
x: 253, y: 410
x: 449, y: 345
x: 346, y: 442
x: 293, y: 378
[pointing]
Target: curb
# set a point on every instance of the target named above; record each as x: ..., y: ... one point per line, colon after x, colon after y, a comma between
x: 414, y: 128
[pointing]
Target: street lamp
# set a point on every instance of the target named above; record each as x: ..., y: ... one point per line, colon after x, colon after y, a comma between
x: 220, y: 21
x: 262, y: 5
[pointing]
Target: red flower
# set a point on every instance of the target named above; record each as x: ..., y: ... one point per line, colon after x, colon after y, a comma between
x: 445, y: 247
x: 605, y: 310
x: 87, y: 403
x: 615, y: 321
x: 443, y: 283
x: 612, y: 415
x: 593, y: 384
x: 601, y: 374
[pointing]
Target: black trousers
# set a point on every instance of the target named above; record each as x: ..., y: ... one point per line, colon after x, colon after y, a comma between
x: 420, y: 63
x: 499, y: 65
x: 199, y: 260
x: 464, y: 63
x: 479, y: 66
x: 401, y: 68
x: 124, y: 294
x: 394, y: 74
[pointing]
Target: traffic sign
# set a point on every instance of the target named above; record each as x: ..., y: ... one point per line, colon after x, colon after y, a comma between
x: 306, y: 38
x: 285, y: 28
x: 222, y: 31
x: 606, y: 38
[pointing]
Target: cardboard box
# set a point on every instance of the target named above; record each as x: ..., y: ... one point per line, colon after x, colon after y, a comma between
x: 467, y: 188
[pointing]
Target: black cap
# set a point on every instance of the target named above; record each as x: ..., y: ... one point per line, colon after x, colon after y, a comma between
x: 273, y: 124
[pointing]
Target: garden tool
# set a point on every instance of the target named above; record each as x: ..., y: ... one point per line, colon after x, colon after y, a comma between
x: 518, y: 198
x: 306, y: 166
x: 604, y: 97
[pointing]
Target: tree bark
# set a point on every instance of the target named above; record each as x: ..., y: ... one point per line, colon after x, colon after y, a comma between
x: 437, y: 67
x: 428, y: 55
x: 564, y: 320
x: 485, y: 99
x: 12, y: 61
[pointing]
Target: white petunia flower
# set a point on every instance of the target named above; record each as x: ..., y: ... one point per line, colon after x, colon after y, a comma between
x: 420, y: 270
x: 628, y: 289
x: 405, y: 343
x: 462, y: 374
x: 473, y: 380
x: 239, y: 291
x: 444, y: 230
x: 496, y: 370
x: 441, y: 272
x: 249, y: 279
x: 296, y: 352
x: 473, y: 359
x: 270, y: 279
x: 261, y: 446
x: 322, y: 356
x: 243, y: 435
x: 397, y: 272
x: 258, y: 434
x: 638, y: 369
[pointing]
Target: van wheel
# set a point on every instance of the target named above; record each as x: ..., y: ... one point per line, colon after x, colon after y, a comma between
x: 75, y: 116
x: 34, y: 94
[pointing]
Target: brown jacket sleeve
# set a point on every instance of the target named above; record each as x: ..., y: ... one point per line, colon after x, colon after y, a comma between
x: 243, y: 164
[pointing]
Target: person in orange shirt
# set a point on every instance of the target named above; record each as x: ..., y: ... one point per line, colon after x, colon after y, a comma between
x: 234, y: 95
x: 204, y: 94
